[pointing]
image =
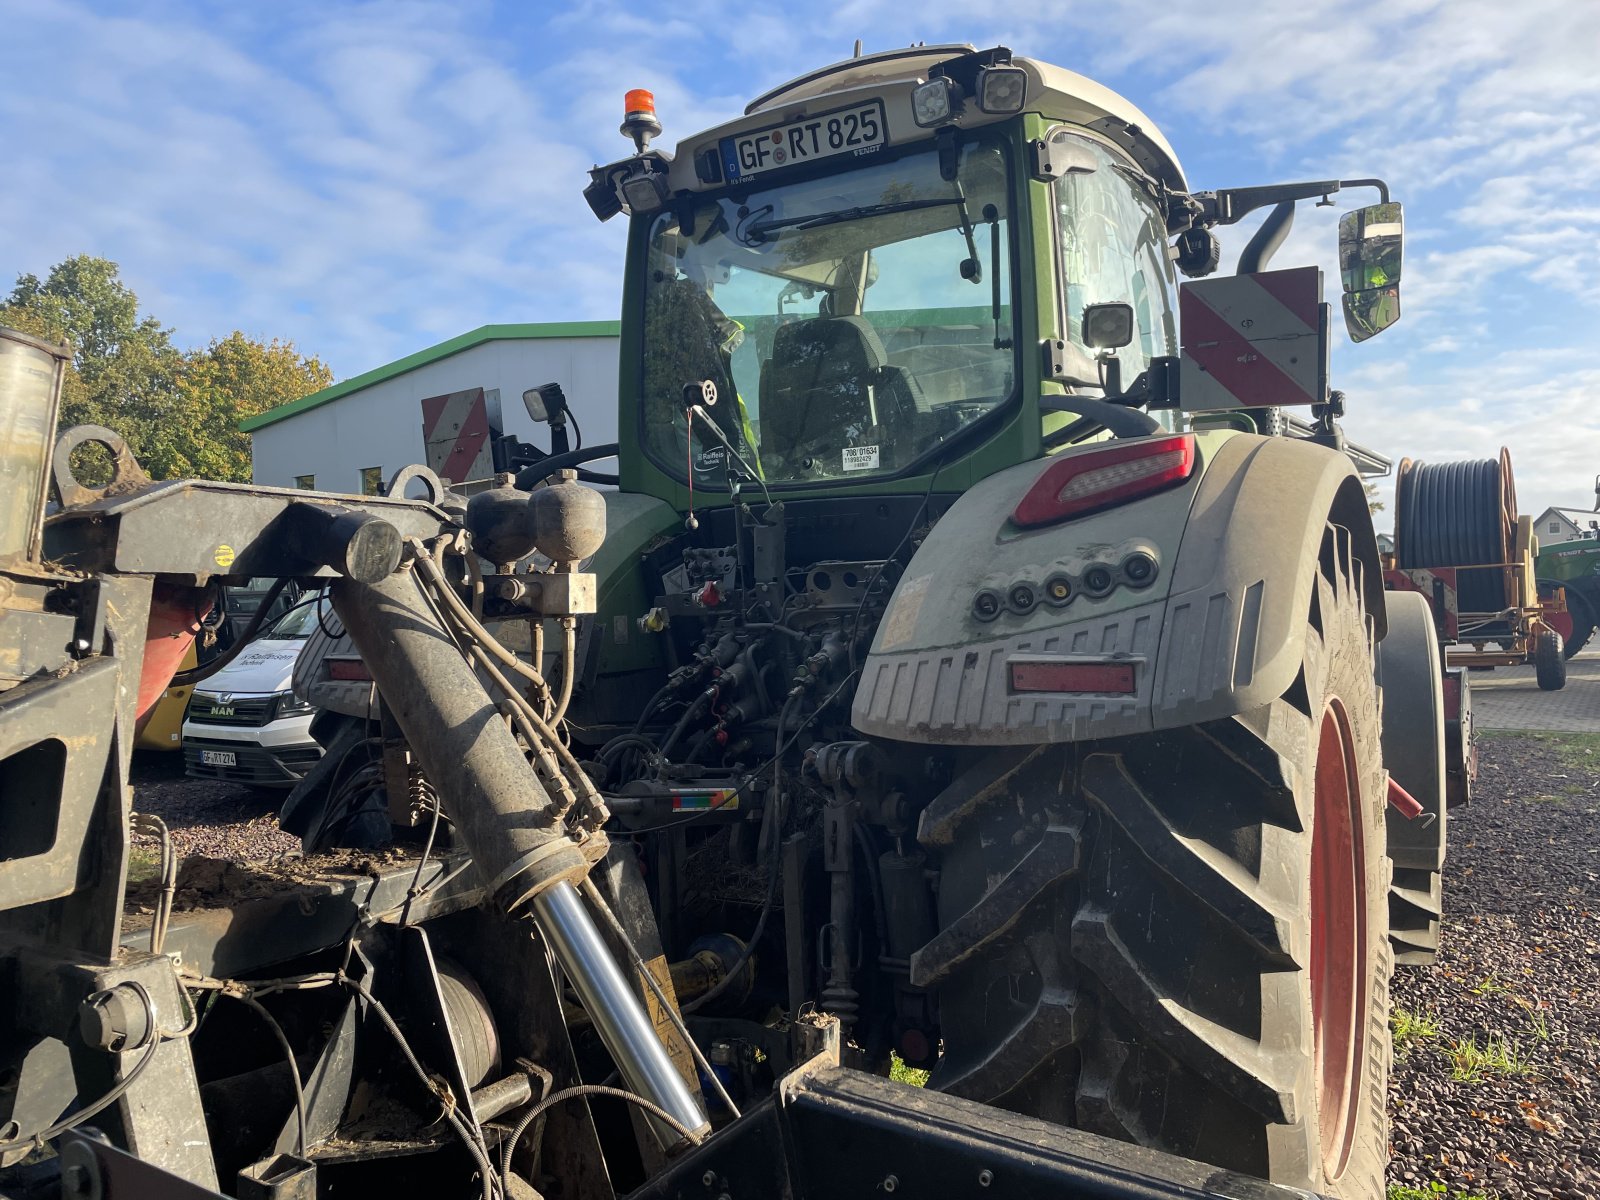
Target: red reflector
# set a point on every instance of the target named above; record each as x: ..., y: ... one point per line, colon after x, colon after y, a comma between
x: 1115, y: 678
x: 348, y: 669
x: 1086, y: 483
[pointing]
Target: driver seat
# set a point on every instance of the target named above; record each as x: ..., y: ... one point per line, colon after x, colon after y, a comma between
x: 827, y: 377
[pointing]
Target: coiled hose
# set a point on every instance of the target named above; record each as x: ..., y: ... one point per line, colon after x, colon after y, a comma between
x: 1459, y: 514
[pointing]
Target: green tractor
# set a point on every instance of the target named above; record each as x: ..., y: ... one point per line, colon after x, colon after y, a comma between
x: 1575, y: 568
x: 963, y: 663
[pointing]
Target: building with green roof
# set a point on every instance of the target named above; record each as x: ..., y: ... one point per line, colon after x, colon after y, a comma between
x: 363, y: 429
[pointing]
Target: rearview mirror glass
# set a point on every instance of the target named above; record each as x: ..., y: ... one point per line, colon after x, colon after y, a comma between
x: 1370, y: 254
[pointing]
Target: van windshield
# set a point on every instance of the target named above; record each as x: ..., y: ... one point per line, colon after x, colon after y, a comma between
x: 298, y: 622
x: 847, y: 321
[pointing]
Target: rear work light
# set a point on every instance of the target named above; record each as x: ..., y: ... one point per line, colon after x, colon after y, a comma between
x: 1065, y: 675
x: 1123, y: 471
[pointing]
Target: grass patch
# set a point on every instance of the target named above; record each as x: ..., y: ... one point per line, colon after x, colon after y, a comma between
x: 1541, y: 1028
x: 900, y: 1073
x: 1470, y: 1062
x: 1573, y: 749
x: 1410, y: 1029
x: 144, y: 864
x: 1434, y: 1190
x: 1490, y: 985
x: 1573, y: 791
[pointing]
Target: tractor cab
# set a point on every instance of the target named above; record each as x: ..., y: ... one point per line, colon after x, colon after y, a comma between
x: 937, y: 261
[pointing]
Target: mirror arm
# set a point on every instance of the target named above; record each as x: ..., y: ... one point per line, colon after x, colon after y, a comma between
x: 1227, y: 206
x: 1383, y: 188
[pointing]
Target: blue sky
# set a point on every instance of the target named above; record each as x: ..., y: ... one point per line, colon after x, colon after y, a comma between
x: 368, y: 179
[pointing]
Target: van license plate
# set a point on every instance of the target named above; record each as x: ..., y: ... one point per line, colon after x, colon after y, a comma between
x: 858, y: 130
x: 219, y: 758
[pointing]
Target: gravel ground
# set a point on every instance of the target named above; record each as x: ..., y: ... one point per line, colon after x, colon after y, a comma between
x: 1496, y: 1088
x: 209, y: 818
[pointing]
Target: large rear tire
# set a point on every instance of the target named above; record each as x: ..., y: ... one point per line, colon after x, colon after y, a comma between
x: 1576, y: 625
x: 1178, y: 939
x: 1583, y: 622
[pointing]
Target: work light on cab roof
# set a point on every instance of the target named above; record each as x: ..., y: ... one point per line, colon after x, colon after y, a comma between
x: 998, y: 87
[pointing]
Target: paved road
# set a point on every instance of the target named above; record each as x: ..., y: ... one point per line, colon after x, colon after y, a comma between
x: 1508, y: 698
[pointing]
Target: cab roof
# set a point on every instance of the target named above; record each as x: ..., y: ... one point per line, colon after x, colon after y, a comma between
x: 1054, y: 92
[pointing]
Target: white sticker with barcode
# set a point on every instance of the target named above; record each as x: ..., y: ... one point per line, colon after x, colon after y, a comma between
x: 860, y: 458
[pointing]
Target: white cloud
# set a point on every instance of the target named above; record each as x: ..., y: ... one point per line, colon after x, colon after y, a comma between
x: 326, y: 182
x: 369, y: 178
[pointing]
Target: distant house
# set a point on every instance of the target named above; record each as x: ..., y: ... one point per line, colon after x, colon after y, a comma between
x: 1564, y: 525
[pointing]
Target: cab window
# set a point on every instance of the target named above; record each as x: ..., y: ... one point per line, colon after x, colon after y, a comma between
x: 1113, y: 248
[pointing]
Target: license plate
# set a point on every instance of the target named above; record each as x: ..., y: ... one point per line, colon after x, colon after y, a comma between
x: 858, y: 130
x: 222, y: 710
x: 219, y: 758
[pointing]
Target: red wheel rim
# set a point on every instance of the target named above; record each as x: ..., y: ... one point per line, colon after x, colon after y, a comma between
x: 1338, y: 938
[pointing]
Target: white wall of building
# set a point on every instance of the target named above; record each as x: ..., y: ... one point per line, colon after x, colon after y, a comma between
x: 381, y: 425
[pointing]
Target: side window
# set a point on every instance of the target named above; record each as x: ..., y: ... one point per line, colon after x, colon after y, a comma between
x: 1114, y: 248
x: 372, y: 481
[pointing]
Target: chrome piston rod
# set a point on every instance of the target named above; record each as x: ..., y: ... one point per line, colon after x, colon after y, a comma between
x: 505, y: 817
x: 625, y: 1029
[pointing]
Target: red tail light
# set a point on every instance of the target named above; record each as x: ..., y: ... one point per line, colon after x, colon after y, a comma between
x: 1086, y: 483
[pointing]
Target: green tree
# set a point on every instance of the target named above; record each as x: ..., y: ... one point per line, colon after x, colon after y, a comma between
x: 233, y: 378
x: 178, y: 412
x: 124, y: 364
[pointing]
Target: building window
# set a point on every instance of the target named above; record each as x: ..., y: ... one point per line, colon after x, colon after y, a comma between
x: 1555, y: 526
x: 372, y: 481
x: 306, y: 483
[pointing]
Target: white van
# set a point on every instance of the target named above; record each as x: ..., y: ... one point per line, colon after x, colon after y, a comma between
x: 245, y: 724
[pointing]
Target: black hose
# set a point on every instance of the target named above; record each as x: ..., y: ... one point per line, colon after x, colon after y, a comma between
x: 700, y: 705
x: 1460, y: 514
x: 196, y: 674
x: 652, y: 704
x: 546, y: 467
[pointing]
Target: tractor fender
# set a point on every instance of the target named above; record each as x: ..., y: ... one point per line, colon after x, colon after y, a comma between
x: 1232, y: 638
x: 1220, y: 631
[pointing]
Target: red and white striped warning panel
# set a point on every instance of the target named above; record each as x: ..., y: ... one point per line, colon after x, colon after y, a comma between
x: 458, y: 430
x: 1254, y: 340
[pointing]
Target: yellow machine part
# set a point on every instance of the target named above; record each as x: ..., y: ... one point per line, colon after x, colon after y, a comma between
x: 164, y: 729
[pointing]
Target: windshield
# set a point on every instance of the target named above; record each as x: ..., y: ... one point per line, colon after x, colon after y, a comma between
x: 298, y: 622
x: 850, y: 322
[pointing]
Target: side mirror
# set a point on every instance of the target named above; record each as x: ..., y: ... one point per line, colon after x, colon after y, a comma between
x: 1597, y: 493
x: 1107, y: 326
x: 1370, y: 252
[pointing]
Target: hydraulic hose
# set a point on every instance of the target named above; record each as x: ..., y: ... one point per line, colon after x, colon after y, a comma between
x: 1460, y: 514
x: 507, y: 820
